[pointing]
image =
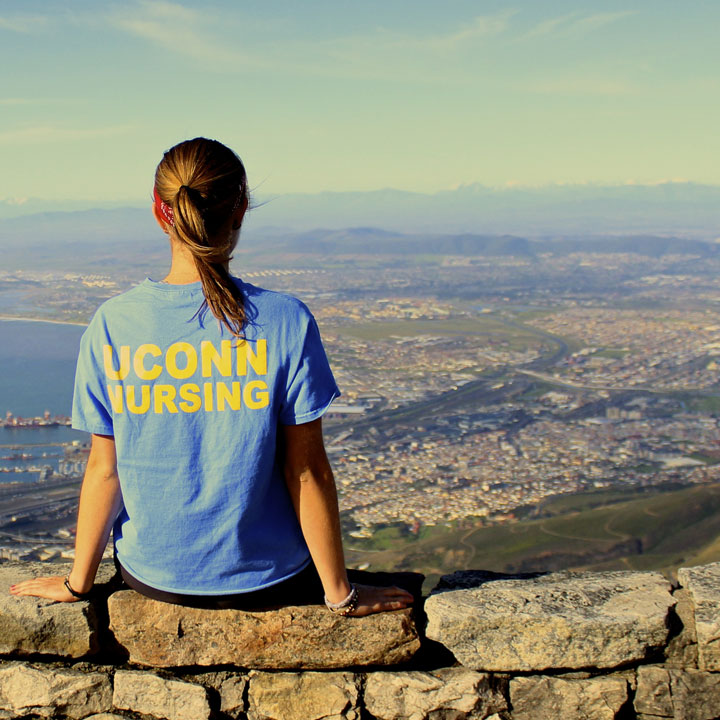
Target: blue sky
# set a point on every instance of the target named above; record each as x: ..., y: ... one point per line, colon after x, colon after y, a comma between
x: 358, y: 96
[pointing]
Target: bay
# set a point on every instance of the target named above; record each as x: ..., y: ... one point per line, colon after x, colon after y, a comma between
x: 37, y: 369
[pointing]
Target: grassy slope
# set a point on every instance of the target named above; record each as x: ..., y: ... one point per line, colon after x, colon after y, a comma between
x: 613, y: 530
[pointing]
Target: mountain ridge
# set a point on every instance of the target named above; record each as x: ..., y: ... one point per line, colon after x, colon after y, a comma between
x: 686, y: 208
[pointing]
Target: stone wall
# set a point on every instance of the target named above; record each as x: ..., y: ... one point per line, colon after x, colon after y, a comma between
x: 558, y: 646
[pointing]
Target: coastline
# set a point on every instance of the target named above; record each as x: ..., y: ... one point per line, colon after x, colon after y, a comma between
x: 16, y: 318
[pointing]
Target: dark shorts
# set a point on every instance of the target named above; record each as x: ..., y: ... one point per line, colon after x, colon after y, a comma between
x: 304, y: 588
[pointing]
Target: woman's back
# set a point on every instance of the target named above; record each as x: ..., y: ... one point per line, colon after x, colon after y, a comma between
x: 204, y: 396
x: 195, y: 413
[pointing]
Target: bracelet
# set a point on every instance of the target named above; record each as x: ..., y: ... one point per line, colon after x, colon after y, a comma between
x: 75, y: 593
x: 346, y: 606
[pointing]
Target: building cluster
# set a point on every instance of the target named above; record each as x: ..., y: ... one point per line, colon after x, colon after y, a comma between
x: 662, y: 350
x: 463, y: 467
x: 610, y: 409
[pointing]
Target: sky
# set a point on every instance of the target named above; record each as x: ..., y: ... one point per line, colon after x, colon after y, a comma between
x: 350, y: 96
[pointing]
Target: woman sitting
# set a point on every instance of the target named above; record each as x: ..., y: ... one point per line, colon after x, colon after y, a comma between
x: 204, y: 396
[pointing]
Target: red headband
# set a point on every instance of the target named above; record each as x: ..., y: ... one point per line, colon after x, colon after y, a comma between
x: 165, y: 210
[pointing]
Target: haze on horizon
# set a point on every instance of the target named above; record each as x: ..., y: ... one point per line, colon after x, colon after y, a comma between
x: 346, y: 97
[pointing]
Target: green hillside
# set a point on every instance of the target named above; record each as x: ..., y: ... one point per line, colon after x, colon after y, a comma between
x: 639, y: 529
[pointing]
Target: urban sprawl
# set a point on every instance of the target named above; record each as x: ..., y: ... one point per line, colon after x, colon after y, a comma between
x: 471, y: 387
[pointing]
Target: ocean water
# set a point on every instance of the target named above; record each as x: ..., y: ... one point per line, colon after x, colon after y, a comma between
x: 37, y: 367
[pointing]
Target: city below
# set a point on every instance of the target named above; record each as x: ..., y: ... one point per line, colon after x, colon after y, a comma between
x: 473, y: 387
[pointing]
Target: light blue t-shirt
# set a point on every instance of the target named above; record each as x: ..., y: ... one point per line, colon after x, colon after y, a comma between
x: 196, y: 414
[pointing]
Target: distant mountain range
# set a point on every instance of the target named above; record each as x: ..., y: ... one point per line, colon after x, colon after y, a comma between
x: 684, y: 209
x: 676, y: 208
x: 371, y: 241
x: 128, y: 239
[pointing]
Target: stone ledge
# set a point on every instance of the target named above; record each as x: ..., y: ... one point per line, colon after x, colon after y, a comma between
x: 554, y: 621
x: 308, y: 637
x: 84, y: 692
x: 582, y: 615
x: 30, y: 626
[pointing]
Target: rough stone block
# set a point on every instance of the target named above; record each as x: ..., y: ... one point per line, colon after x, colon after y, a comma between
x: 703, y: 586
x: 30, y: 625
x: 559, y: 621
x: 458, y: 693
x: 538, y: 697
x: 679, y: 694
x: 29, y: 690
x: 232, y: 694
x: 682, y: 649
x: 652, y: 696
x: 163, y: 635
x: 303, y: 696
x: 144, y: 692
x: 228, y: 686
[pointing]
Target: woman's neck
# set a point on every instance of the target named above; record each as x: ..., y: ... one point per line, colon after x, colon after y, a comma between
x: 182, y: 267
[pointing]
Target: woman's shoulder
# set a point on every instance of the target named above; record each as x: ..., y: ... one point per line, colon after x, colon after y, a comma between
x: 274, y: 303
x: 125, y: 306
x: 132, y: 295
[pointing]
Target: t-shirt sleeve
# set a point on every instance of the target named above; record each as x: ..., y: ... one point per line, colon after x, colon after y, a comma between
x: 91, y: 410
x: 311, y: 387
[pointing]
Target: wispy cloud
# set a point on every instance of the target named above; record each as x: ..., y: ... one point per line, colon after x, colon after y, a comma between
x: 575, y: 23
x: 546, y: 27
x: 385, y: 53
x: 180, y: 29
x: 49, y: 133
x: 480, y: 27
x: 23, y: 23
x: 389, y: 54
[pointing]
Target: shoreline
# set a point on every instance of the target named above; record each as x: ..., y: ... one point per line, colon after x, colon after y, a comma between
x: 15, y: 318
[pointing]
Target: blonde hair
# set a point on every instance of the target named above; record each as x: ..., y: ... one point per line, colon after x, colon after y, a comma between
x: 204, y: 182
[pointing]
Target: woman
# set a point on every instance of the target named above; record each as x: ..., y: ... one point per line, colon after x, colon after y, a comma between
x: 204, y: 397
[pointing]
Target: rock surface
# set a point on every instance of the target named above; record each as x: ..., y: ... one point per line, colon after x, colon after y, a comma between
x: 303, y: 696
x: 559, y: 620
x: 679, y: 694
x: 28, y: 690
x: 703, y: 586
x: 652, y: 696
x: 143, y: 692
x: 682, y: 650
x: 546, y: 698
x: 162, y: 635
x: 456, y: 693
x: 232, y: 694
x: 30, y: 625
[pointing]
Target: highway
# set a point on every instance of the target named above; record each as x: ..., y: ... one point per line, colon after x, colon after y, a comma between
x: 23, y: 500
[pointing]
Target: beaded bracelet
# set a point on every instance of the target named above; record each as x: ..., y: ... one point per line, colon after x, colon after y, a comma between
x: 75, y: 593
x: 346, y: 606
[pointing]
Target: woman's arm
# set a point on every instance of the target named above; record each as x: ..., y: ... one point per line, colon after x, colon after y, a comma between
x: 100, y: 502
x: 311, y: 484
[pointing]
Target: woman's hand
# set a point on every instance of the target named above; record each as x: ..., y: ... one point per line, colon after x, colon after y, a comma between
x: 100, y: 503
x: 52, y: 588
x: 373, y: 599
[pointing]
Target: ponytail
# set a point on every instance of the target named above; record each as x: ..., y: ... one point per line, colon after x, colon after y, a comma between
x: 204, y: 183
